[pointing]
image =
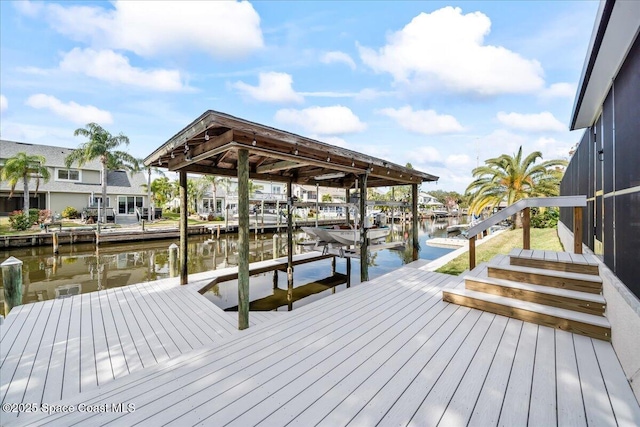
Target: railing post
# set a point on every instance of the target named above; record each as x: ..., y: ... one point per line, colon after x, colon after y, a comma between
x: 577, y: 230
x: 472, y: 252
x: 526, y: 228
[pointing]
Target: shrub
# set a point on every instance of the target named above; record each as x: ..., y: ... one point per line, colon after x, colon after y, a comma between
x: 545, y: 218
x: 33, y: 216
x: 43, y: 215
x: 70, y: 212
x: 18, y: 221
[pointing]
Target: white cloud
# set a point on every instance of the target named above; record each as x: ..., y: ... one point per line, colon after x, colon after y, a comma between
x: 458, y: 161
x: 334, y: 120
x: 559, y: 90
x: 445, y: 49
x: 552, y: 148
x: 540, y: 122
x: 426, y: 122
x: 112, y: 67
x: 366, y: 94
x: 71, y: 111
x: 28, y: 8
x: 4, y: 104
x: 426, y: 155
x: 339, y: 57
x: 272, y: 87
x: 220, y: 29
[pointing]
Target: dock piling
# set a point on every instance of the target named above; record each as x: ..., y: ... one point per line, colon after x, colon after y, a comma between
x: 173, y: 260
x: 275, y: 246
x: 12, y: 282
x: 55, y: 242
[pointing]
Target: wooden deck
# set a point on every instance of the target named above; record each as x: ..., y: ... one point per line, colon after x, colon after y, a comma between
x: 59, y: 348
x: 386, y: 352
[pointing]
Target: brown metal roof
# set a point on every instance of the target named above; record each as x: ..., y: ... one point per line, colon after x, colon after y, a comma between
x: 210, y: 144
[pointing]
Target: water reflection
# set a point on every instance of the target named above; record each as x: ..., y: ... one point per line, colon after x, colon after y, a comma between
x: 82, y: 268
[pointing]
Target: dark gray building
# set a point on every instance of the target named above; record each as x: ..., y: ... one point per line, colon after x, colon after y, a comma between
x: 606, y: 164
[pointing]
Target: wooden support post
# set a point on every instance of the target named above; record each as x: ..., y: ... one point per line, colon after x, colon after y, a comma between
x: 243, y: 239
x: 54, y: 236
x: 347, y: 214
x: 290, y: 237
x: 218, y: 233
x: 333, y: 266
x: 526, y: 228
x: 173, y: 260
x: 577, y: 230
x: 472, y: 252
x: 184, y: 213
x: 364, y: 245
x: 275, y: 246
x: 275, y: 279
x: 348, y: 272
x: 143, y: 225
x: 317, y: 203
x: 12, y: 282
x: 414, y: 221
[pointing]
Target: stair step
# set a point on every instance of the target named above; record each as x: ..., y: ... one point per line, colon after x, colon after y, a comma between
x: 557, y: 297
x: 558, y: 261
x: 538, y: 276
x: 566, y: 320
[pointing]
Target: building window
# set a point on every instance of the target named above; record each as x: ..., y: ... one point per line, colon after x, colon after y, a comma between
x: 127, y: 204
x: 98, y: 199
x: 68, y: 175
x: 276, y: 189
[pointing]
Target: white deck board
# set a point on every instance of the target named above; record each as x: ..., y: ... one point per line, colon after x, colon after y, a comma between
x: 388, y: 351
x: 596, y: 401
x: 542, y: 406
x: 488, y: 404
x: 513, y: 412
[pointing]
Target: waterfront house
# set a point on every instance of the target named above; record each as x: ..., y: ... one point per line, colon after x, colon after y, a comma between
x: 605, y: 168
x: 78, y: 187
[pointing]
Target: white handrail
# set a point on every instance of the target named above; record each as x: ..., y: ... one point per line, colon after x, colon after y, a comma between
x: 532, y: 202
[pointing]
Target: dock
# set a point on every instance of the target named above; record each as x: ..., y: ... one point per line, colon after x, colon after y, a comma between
x: 388, y: 351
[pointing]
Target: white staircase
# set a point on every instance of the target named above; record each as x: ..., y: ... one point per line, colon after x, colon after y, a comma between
x: 549, y: 288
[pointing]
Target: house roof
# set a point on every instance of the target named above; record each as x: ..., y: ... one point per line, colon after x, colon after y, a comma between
x: 616, y: 28
x: 210, y: 144
x: 119, y: 182
x: 55, y: 155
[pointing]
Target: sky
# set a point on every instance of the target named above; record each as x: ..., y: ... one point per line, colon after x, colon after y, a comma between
x: 440, y: 85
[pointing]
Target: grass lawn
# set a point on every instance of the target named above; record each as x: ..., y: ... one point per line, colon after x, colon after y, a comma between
x: 541, y: 238
x: 171, y: 219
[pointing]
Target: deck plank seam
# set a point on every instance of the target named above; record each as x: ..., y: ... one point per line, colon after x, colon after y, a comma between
x: 55, y: 334
x: 116, y: 295
x: 143, y: 316
x: 513, y: 360
x: 604, y: 382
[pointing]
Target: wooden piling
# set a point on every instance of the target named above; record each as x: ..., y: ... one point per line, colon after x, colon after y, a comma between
x: 184, y: 230
x: 243, y: 239
x: 54, y: 236
x: 12, y: 282
x: 173, y: 260
x: 218, y: 232
x: 364, y: 244
x: 414, y: 221
x: 275, y: 279
x: 275, y: 246
x: 526, y: 228
x: 333, y: 266
x: 348, y: 272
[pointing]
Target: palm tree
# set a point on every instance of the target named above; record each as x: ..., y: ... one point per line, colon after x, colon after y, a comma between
x: 511, y: 178
x: 24, y: 167
x: 214, y: 181
x: 102, y: 145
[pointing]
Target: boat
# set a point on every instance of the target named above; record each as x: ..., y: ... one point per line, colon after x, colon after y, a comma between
x: 457, y: 228
x: 345, y: 234
x: 439, y: 212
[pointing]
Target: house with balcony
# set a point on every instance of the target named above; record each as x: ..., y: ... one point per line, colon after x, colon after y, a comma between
x: 78, y: 187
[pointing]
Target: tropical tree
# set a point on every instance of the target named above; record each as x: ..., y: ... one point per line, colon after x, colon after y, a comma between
x: 326, y: 198
x: 214, y: 182
x: 23, y: 167
x: 103, y: 146
x: 162, y: 191
x: 512, y: 178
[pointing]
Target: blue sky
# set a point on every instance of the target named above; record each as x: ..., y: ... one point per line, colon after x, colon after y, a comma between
x: 441, y: 85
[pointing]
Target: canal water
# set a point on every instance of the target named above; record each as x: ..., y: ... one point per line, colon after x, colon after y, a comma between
x: 82, y: 268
